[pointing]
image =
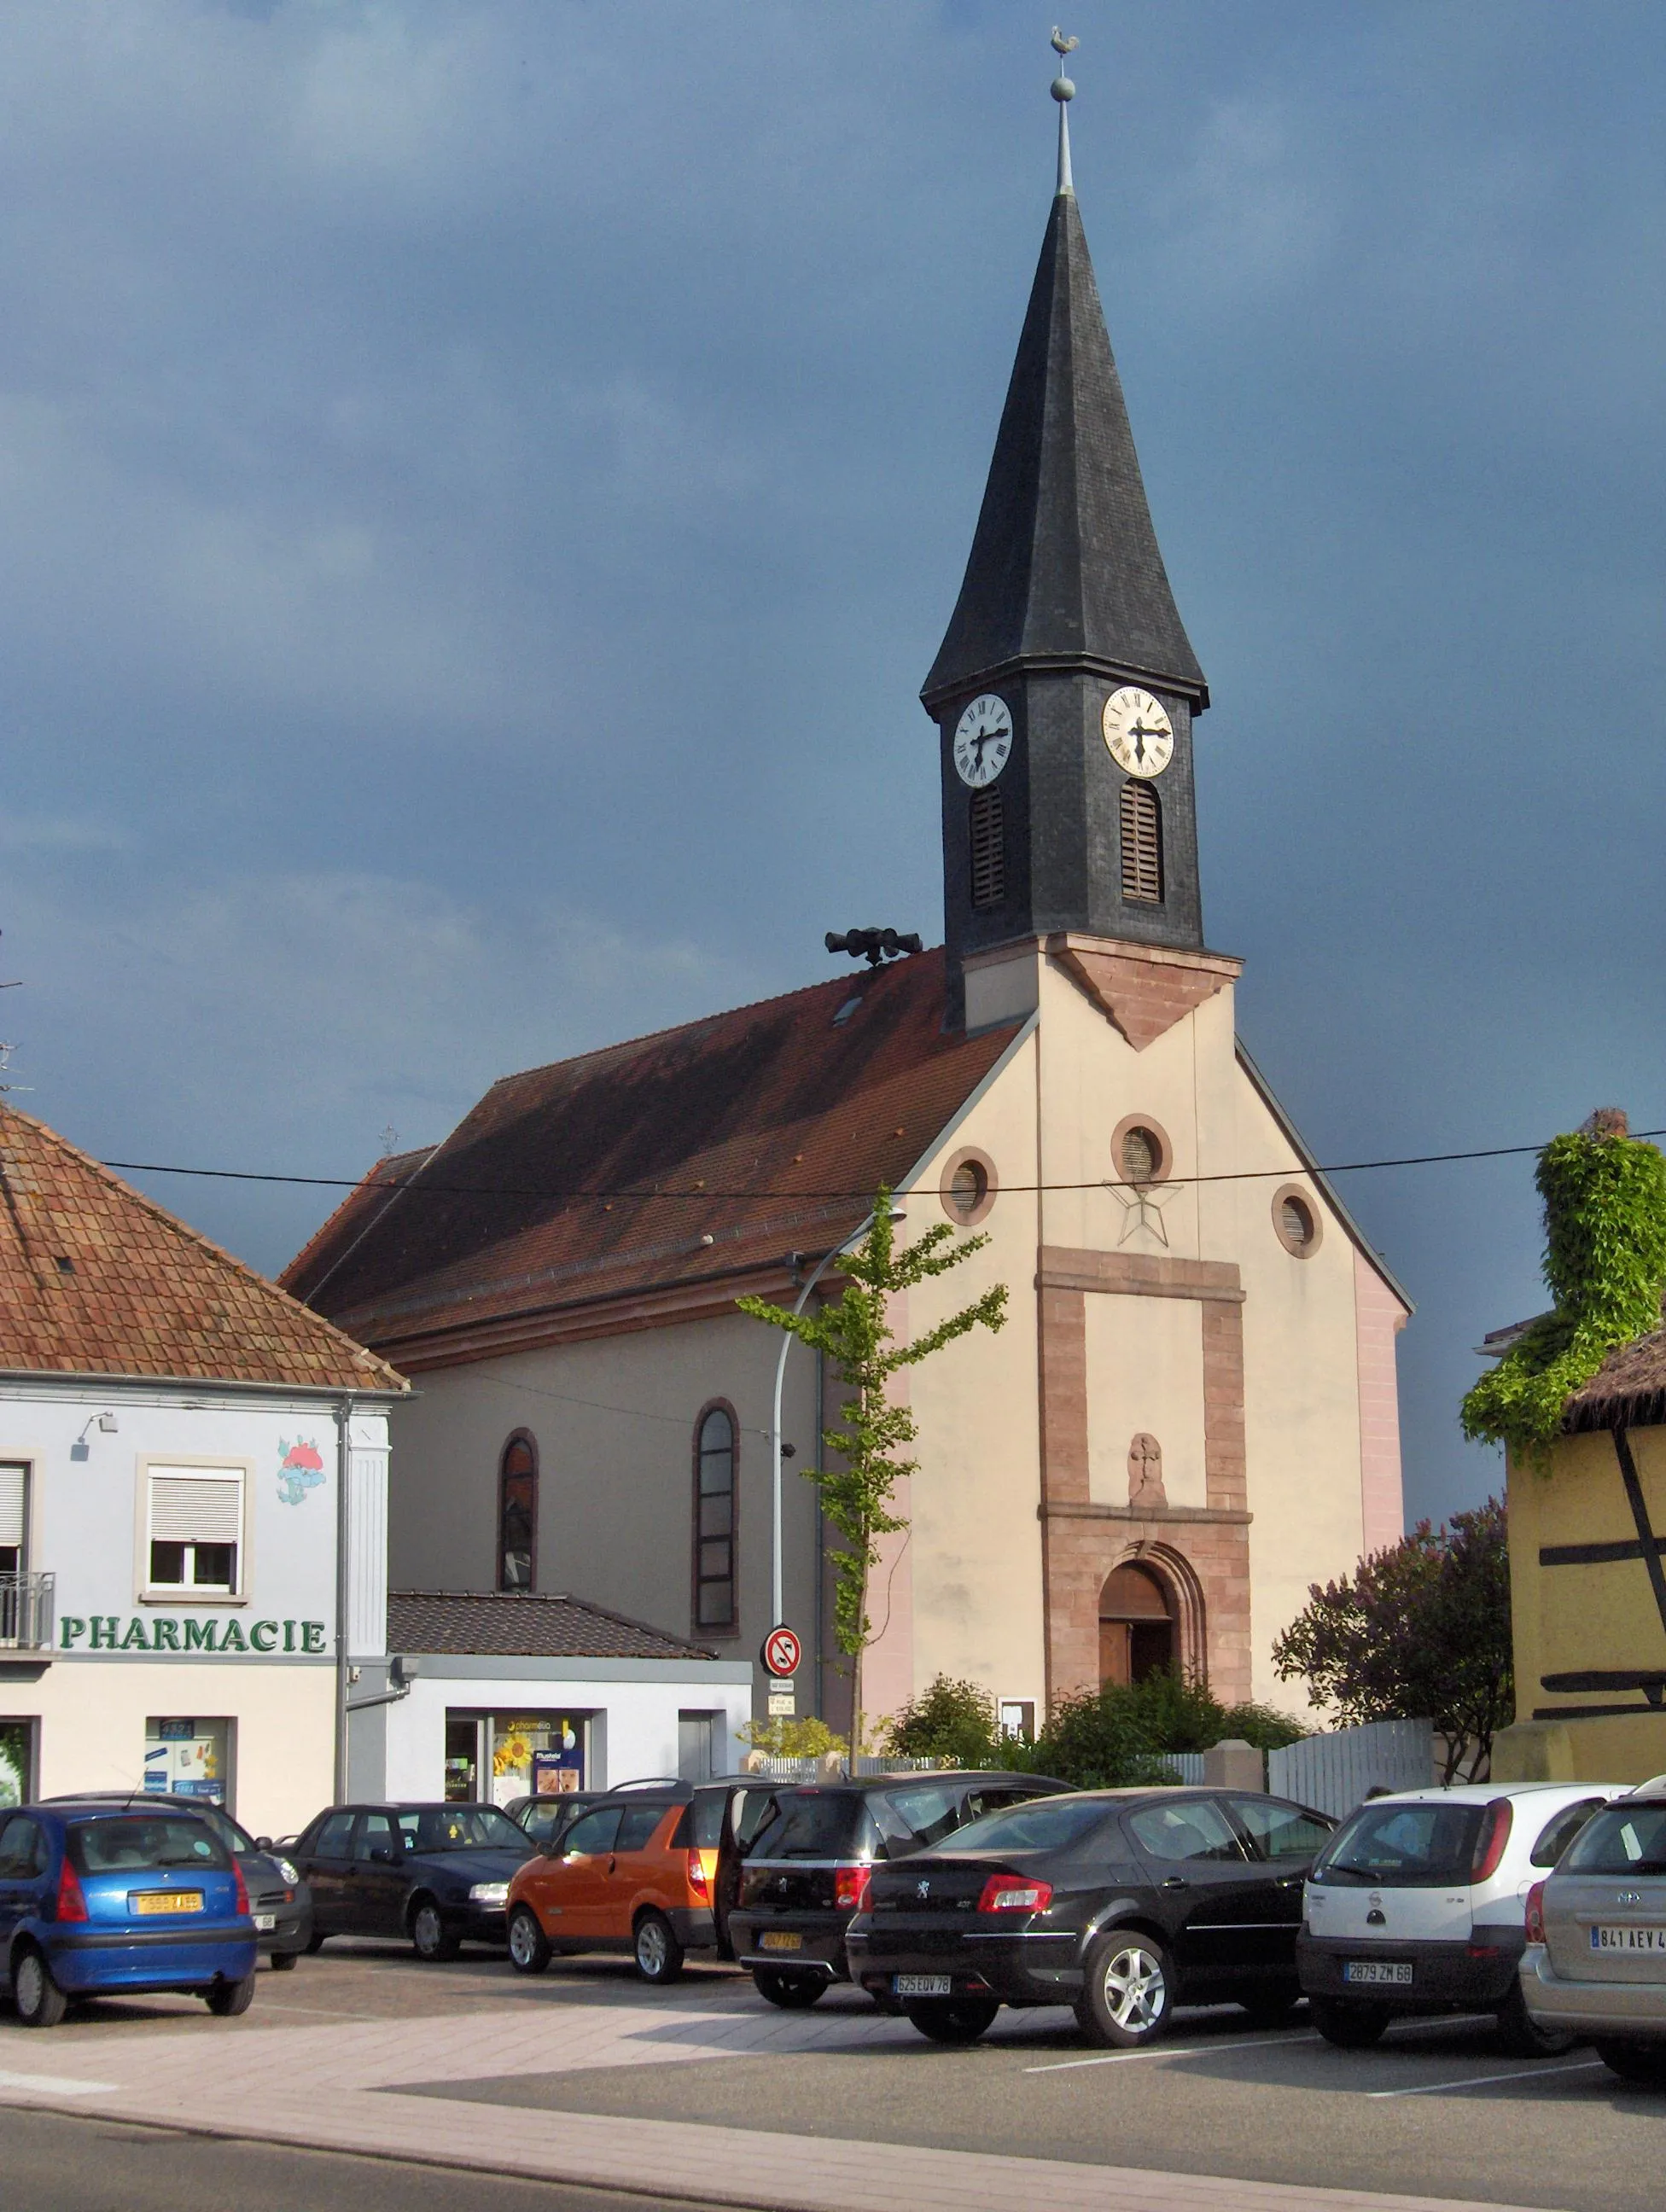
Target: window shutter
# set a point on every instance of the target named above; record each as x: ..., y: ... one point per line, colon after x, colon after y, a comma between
x: 11, y: 1505
x: 1142, y: 843
x: 195, y: 1509
x: 988, y: 849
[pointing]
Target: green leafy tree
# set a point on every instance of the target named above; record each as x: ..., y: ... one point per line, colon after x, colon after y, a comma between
x: 1422, y: 1632
x: 1604, y: 1196
x: 949, y: 1720
x: 853, y: 1333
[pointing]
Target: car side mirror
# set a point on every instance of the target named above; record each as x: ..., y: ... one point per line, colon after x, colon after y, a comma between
x: 382, y: 1855
x: 263, y: 1844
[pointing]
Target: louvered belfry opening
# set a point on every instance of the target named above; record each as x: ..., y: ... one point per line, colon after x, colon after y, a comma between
x: 988, y: 849
x: 1142, y: 843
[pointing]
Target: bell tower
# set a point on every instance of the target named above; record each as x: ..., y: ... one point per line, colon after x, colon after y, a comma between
x: 1066, y: 689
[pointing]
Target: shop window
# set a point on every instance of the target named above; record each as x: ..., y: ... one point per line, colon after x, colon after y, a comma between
x: 17, y: 1762
x: 715, y: 1520
x: 194, y: 1539
x: 14, y: 1522
x: 187, y: 1756
x: 517, y: 1513
x: 498, y: 1758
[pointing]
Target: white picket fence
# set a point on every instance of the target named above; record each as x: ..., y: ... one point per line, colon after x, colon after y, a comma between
x: 1332, y: 1773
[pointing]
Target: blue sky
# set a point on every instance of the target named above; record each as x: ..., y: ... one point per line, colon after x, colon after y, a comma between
x: 482, y: 484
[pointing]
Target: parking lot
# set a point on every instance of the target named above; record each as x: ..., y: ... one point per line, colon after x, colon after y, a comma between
x: 1437, y: 2111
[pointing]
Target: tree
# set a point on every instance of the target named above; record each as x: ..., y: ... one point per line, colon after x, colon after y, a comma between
x: 1421, y: 1632
x: 949, y: 1720
x: 853, y: 1333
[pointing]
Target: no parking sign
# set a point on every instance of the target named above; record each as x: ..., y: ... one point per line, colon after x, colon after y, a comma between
x: 781, y: 1653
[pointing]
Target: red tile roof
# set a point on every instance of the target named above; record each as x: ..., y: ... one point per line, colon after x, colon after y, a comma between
x: 524, y: 1626
x: 682, y: 1161
x: 96, y: 1280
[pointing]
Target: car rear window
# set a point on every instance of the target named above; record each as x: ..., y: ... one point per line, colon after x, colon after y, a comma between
x: 1404, y: 1846
x: 1628, y: 1838
x: 144, y: 1844
x: 817, y: 1824
x: 915, y: 1818
x: 636, y: 1825
x: 1045, y: 1824
x: 1560, y: 1830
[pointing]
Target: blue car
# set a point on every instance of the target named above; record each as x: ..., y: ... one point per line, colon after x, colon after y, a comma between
x: 99, y: 1900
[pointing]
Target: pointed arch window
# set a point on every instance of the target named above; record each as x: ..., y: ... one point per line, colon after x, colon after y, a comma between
x: 517, y: 1513
x: 715, y: 1606
x: 989, y: 845
x: 1142, y: 843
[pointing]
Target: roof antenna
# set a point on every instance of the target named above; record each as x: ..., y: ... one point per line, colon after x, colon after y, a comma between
x: 1064, y: 92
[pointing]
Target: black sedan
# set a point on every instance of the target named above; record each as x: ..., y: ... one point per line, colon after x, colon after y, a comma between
x: 438, y: 1874
x: 1122, y: 1902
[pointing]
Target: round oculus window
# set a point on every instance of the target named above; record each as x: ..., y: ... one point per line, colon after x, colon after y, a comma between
x: 1140, y: 1154
x: 1296, y: 1221
x: 968, y: 1187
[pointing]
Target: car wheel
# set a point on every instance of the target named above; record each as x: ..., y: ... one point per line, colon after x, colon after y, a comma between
x: 39, y: 2000
x: 1128, y: 1993
x: 1522, y: 2035
x: 1642, y: 2063
x: 792, y: 1992
x: 283, y: 1962
x: 1350, y: 2027
x: 1271, y: 2008
x: 658, y: 1953
x: 433, y: 1941
x: 953, y: 2019
x: 529, y: 1948
x: 226, y: 1999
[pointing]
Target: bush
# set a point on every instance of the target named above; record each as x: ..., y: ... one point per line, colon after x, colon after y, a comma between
x: 953, y: 1721
x: 786, y: 1739
x: 1114, y: 1737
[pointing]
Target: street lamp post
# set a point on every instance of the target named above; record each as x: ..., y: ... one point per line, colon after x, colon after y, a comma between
x: 777, y: 1597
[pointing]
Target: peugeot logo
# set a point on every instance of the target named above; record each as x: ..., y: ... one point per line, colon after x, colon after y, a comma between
x: 1629, y: 1897
x: 922, y: 1889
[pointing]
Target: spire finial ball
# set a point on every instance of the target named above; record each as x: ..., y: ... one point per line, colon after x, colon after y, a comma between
x: 1063, y: 89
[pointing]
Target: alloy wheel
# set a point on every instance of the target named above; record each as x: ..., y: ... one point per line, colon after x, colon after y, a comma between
x: 651, y: 1949
x: 1136, y: 1992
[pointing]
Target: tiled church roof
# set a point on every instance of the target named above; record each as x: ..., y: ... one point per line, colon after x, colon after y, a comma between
x: 751, y: 1134
x: 97, y: 1279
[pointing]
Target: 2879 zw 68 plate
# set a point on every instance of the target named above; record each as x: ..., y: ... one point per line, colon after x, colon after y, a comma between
x: 1394, y: 1974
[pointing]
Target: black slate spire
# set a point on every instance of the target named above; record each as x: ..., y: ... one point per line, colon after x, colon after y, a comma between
x: 1065, y: 566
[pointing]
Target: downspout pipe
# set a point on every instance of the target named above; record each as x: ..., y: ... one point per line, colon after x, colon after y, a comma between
x: 344, y: 1462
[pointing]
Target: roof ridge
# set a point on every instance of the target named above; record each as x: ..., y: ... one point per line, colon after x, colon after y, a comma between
x: 183, y: 1230
x: 699, y: 1021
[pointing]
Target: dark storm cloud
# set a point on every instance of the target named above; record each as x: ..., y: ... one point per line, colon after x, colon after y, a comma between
x: 482, y: 484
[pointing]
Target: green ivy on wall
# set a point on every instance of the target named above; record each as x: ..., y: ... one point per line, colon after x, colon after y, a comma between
x: 1604, y: 1197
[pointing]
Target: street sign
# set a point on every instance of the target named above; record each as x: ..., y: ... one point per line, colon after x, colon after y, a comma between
x: 783, y: 1704
x: 782, y: 1651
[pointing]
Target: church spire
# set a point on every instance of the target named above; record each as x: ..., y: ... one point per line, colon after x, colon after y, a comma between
x: 1064, y: 564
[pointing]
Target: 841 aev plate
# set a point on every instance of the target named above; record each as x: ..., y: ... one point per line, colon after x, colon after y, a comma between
x: 1608, y: 1937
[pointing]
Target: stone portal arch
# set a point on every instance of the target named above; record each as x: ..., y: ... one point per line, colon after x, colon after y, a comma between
x: 1151, y: 1617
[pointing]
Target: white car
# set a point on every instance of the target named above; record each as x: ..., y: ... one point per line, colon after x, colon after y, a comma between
x: 1596, y: 1961
x: 1418, y: 1904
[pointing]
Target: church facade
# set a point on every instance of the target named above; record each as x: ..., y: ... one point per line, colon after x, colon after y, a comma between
x: 1190, y: 1415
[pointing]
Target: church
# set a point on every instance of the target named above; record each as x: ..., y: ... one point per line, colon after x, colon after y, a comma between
x: 1190, y: 1416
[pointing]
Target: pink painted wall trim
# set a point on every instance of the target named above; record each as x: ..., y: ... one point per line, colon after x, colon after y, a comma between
x: 1379, y: 1319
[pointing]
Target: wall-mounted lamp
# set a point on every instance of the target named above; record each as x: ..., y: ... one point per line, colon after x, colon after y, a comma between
x: 108, y: 1425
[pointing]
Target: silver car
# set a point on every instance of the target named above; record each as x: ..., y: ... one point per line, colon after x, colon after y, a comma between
x: 1596, y: 1961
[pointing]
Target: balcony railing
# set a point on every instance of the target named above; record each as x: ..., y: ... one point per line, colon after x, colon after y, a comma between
x: 25, y: 1611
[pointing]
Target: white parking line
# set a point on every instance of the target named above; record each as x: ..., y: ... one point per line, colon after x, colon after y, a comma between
x: 58, y: 2085
x: 1483, y: 2081
x: 1169, y: 2051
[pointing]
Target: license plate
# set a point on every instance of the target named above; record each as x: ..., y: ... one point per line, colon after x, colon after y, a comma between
x: 1378, y: 1972
x: 167, y: 1900
x: 264, y: 1921
x: 921, y: 1985
x: 1628, y: 1939
x: 779, y: 1940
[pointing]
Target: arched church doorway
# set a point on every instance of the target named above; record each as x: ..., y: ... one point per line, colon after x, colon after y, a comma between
x: 1138, y: 1637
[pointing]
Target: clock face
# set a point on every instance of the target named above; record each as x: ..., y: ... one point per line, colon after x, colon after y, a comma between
x: 984, y: 740
x: 1139, y: 732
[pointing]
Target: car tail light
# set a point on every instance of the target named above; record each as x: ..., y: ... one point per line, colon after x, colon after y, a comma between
x: 851, y: 1884
x: 1495, y: 1823
x: 242, y: 1887
x: 698, y: 1875
x: 1010, y: 1893
x: 71, y: 1899
x: 1535, y: 1914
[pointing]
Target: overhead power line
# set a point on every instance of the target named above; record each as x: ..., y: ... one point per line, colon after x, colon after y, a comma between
x: 702, y: 1194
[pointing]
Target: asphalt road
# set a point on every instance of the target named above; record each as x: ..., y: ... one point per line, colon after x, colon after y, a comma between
x: 1437, y: 2109
x: 53, y: 2164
